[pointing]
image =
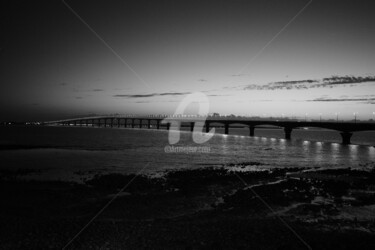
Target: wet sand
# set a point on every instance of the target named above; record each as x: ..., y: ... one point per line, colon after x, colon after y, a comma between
x: 206, y: 208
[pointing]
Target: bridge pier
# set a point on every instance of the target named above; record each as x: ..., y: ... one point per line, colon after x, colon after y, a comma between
x: 157, y: 124
x: 346, y: 137
x: 140, y: 123
x: 168, y: 126
x: 288, y: 133
x: 226, y: 131
x: 252, y: 129
x: 207, y: 127
x: 105, y: 122
x: 191, y: 126
x: 87, y: 122
x: 132, y: 123
x: 148, y: 123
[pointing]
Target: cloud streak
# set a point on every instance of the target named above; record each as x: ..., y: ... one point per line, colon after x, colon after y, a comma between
x: 152, y: 95
x: 328, y: 82
x: 324, y: 99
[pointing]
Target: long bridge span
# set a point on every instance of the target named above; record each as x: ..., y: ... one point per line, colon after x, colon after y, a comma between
x: 346, y: 129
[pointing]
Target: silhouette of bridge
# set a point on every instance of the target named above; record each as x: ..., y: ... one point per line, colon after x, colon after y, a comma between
x: 346, y: 129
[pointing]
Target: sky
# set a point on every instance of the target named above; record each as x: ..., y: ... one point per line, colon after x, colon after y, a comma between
x: 292, y: 58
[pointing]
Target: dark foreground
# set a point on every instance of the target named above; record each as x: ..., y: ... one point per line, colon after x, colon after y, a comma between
x: 208, y: 208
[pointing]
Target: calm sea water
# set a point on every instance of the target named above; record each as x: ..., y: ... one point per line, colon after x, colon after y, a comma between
x: 62, y: 152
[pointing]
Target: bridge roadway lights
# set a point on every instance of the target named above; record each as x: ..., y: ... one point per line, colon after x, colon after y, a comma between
x: 226, y: 129
x: 346, y: 137
x: 252, y: 129
x: 288, y: 133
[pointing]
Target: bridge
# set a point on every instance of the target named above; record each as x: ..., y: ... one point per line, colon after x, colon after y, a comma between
x: 346, y: 129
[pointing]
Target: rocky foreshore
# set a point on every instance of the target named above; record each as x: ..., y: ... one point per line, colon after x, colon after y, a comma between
x: 206, y: 208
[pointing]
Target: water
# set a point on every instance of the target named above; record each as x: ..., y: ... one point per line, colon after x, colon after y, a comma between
x: 61, y: 152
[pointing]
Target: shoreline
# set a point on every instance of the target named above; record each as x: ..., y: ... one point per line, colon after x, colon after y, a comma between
x: 212, y: 204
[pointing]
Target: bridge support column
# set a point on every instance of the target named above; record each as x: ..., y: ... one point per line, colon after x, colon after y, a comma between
x: 87, y: 123
x: 132, y: 123
x: 140, y: 123
x: 149, y: 124
x: 192, y: 126
x: 288, y: 133
x: 346, y: 137
x: 252, y: 129
x: 111, y: 120
x: 168, y: 126
x: 75, y: 123
x: 207, y: 127
x: 118, y: 122
x: 105, y: 122
x: 226, y: 128
x: 125, y: 123
x: 157, y: 124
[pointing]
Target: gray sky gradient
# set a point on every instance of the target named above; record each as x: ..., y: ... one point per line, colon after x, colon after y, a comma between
x: 53, y: 66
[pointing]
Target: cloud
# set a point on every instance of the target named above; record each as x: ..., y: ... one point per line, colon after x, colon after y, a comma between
x: 328, y: 82
x: 324, y: 99
x: 335, y: 80
x: 236, y: 75
x: 153, y: 94
x: 301, y: 84
x: 217, y: 95
x: 142, y: 102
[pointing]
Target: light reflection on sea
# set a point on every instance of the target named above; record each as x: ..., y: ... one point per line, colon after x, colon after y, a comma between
x: 64, y: 152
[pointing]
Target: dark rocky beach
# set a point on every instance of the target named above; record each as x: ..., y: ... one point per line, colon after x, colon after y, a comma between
x: 222, y: 207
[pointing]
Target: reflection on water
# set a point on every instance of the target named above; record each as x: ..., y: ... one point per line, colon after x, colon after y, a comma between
x: 129, y: 150
x: 353, y: 151
x: 371, y: 152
